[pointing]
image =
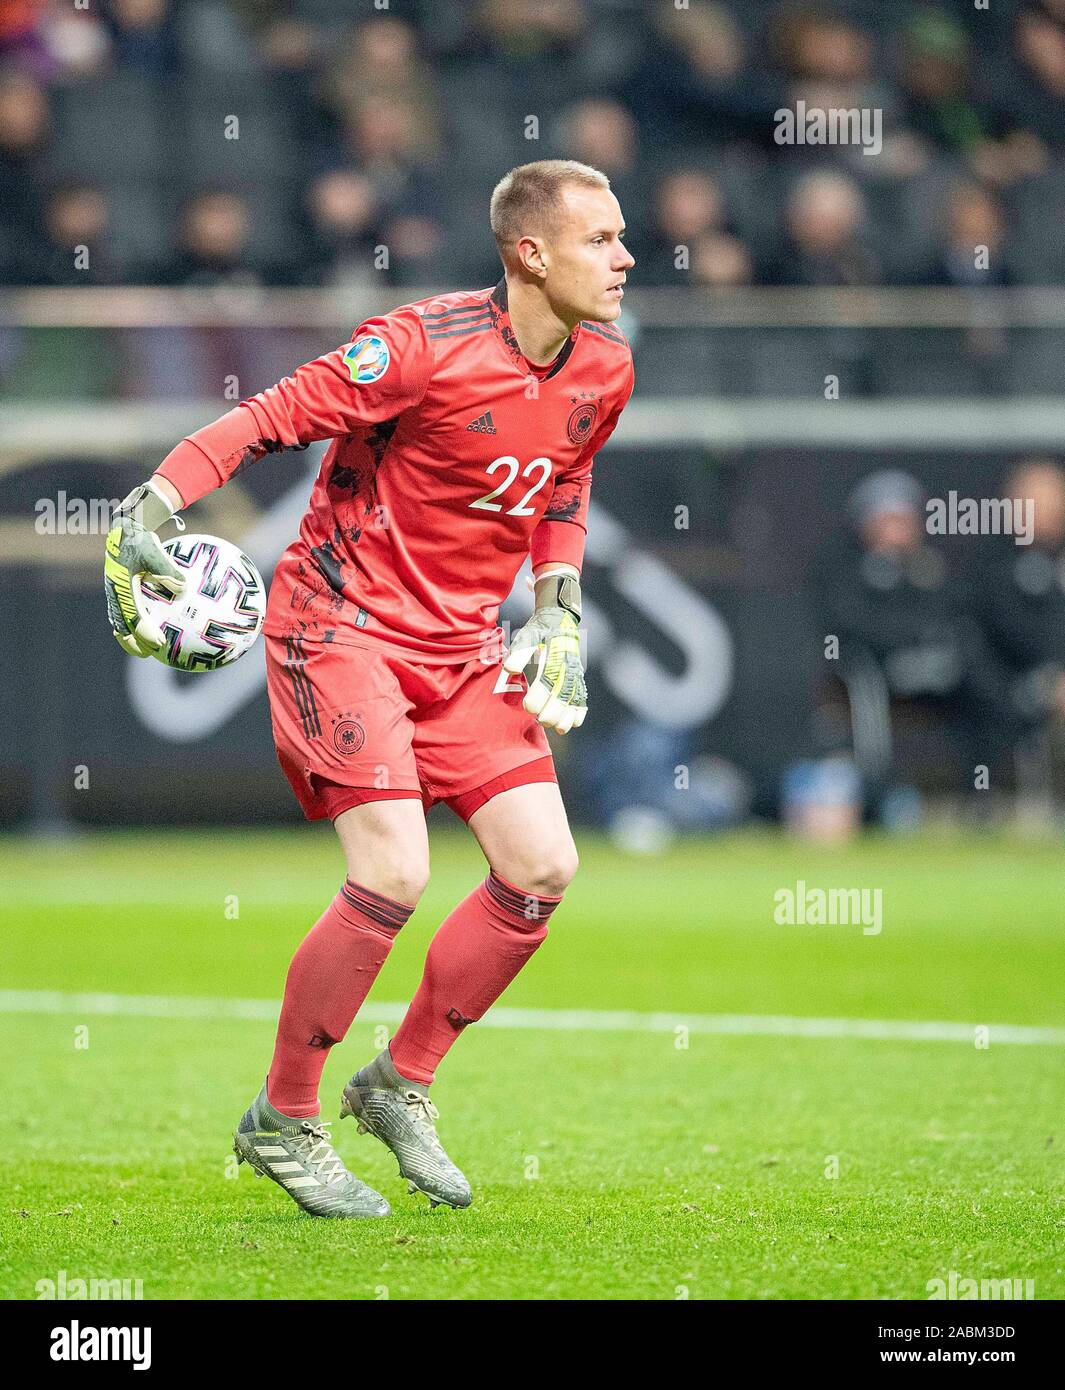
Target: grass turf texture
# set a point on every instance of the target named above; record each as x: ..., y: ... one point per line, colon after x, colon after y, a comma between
x: 603, y: 1164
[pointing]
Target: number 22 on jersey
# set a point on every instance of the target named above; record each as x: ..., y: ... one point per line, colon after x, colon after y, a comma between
x: 512, y: 465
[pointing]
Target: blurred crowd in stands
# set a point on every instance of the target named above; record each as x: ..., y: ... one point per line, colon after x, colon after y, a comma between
x: 943, y: 680
x: 345, y: 144
x: 977, y: 650
x: 358, y: 127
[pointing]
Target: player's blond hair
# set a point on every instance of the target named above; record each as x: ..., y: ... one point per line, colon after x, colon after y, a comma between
x: 530, y: 196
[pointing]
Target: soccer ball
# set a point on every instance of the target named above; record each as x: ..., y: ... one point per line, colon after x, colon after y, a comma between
x: 221, y: 612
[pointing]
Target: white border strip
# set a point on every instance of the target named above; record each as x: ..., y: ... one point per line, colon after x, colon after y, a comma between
x: 28, y: 1001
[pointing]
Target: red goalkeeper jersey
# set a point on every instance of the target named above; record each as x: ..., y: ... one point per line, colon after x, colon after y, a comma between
x: 452, y: 459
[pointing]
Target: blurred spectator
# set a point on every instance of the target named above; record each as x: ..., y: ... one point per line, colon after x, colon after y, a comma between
x: 382, y: 140
x: 937, y: 80
x: 948, y: 106
x: 825, y: 241
x: 711, y: 90
x: 828, y: 60
x: 601, y: 132
x: 78, y: 43
x: 417, y: 243
x: 812, y: 42
x: 381, y: 134
x: 380, y: 62
x: 292, y: 51
x: 142, y: 36
x: 1018, y: 155
x: 342, y: 213
x: 688, y: 210
x: 719, y: 261
x: 21, y: 40
x: 212, y: 246
x: 524, y: 29
x: 71, y: 247
x: 971, y: 247
x: 1037, y: 99
x: 822, y: 799
x: 904, y: 621
x: 829, y: 64
x: 24, y: 138
x: 1020, y: 593
x: 288, y: 44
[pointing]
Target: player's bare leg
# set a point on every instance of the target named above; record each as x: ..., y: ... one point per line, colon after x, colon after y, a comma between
x: 475, y: 954
x: 281, y: 1135
x: 386, y: 846
x: 525, y: 835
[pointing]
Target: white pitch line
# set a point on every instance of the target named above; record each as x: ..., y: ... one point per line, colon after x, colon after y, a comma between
x: 30, y: 1001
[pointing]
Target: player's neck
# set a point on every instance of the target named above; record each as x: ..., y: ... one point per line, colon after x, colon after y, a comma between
x: 541, y: 334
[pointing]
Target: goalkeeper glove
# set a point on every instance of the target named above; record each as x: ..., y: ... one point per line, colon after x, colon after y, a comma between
x: 557, y: 695
x: 133, y: 550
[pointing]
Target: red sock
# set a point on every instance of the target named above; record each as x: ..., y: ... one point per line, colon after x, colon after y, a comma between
x: 476, y: 952
x: 330, y: 975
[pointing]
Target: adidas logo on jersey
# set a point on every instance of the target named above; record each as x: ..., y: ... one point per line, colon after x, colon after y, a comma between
x: 483, y: 424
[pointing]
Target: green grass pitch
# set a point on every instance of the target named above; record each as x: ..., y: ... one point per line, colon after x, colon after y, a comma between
x: 605, y: 1164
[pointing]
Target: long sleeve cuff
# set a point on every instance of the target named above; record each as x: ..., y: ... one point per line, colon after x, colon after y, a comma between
x: 208, y: 458
x: 189, y: 469
x: 559, y: 541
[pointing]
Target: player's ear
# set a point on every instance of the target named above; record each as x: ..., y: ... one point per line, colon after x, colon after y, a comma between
x: 532, y: 255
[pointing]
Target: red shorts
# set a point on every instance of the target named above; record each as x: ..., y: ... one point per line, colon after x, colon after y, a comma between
x: 354, y: 724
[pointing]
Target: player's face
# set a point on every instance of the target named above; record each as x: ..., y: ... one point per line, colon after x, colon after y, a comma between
x: 586, y: 258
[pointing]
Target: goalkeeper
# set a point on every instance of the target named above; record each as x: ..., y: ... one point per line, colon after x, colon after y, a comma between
x: 464, y: 430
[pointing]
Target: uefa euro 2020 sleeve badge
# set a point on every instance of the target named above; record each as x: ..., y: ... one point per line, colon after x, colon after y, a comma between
x: 366, y: 359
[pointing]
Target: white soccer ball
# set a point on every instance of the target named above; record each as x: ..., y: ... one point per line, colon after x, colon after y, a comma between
x: 221, y: 612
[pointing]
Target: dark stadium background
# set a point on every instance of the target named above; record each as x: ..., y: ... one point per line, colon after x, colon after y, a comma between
x: 217, y: 264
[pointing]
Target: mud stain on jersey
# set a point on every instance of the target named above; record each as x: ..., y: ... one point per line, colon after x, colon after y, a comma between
x: 565, y: 504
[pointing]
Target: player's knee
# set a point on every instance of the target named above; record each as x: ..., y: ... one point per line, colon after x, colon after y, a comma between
x: 406, y: 883
x: 399, y: 877
x: 552, y: 873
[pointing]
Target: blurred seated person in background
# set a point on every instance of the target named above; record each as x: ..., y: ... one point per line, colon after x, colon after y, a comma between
x: 143, y: 36
x: 602, y: 132
x: 25, y: 134
x: 889, y: 597
x: 341, y: 216
x: 1020, y: 594
x: 721, y: 262
x: 213, y: 245
x: 691, y: 238
x: 971, y: 248
x: 825, y: 240
x: 72, y: 247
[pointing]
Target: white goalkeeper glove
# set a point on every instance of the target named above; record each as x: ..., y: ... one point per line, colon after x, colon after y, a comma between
x: 557, y: 694
x: 133, y: 550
